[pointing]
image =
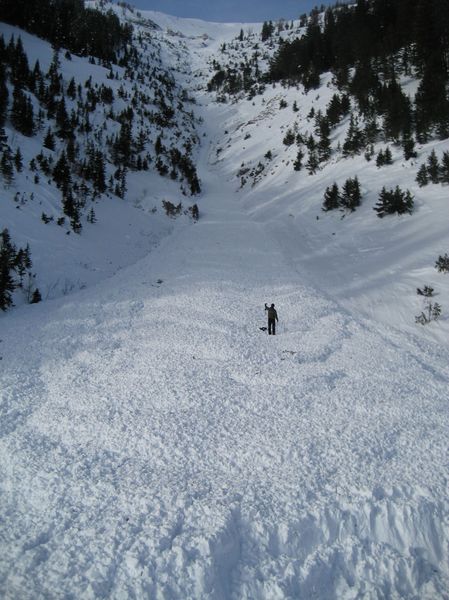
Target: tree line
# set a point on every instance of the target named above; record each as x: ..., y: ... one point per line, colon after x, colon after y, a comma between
x: 69, y: 24
x: 368, y: 46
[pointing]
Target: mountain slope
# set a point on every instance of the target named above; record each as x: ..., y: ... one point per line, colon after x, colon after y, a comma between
x: 161, y: 444
x: 156, y: 443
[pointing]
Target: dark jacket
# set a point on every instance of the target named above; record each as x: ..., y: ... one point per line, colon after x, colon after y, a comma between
x: 272, y: 314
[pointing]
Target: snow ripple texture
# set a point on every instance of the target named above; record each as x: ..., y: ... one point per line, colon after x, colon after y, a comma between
x: 156, y: 444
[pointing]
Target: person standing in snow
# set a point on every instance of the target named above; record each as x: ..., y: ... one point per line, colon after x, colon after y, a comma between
x: 272, y: 318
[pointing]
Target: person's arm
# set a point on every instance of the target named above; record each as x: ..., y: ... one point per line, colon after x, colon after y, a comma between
x: 277, y: 316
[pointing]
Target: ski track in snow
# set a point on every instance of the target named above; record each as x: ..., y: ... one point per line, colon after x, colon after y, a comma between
x: 156, y: 444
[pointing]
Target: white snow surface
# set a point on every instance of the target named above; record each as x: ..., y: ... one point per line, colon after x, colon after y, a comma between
x: 155, y: 443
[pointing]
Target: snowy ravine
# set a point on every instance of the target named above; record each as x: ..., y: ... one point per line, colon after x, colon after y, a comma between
x: 155, y: 443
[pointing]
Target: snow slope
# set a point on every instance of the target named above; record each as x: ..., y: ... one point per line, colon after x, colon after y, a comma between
x: 156, y: 444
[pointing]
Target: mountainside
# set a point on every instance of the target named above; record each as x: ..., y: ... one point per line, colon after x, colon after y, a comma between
x: 154, y: 441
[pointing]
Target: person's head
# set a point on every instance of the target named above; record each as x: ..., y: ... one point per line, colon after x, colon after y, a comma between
x: 272, y: 306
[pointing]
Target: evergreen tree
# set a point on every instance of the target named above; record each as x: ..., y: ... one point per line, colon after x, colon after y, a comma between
x: 71, y: 209
x: 351, y: 195
x: 49, y: 140
x: 331, y: 198
x: 289, y: 138
x: 394, y: 201
x: 3, y: 96
x: 122, y: 149
x: 397, y: 110
x: 313, y: 162
x: 297, y: 165
x: 324, y: 144
x: 71, y: 89
x: 444, y: 169
x: 7, y: 259
x: 267, y: 30
x: 422, y: 178
x: 7, y: 165
x: 371, y: 130
x: 380, y: 159
x: 22, y: 115
x: 18, y: 160
x: 62, y: 120
x: 61, y: 174
x: 333, y: 111
x: 36, y: 297
x: 71, y: 150
x: 433, y: 167
x: 3, y: 139
x: 432, y: 105
x: 354, y: 141
x: 91, y: 217
x: 408, y: 146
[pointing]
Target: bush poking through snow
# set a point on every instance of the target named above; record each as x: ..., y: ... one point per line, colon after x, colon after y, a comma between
x: 171, y: 210
x: 431, y: 312
x: 427, y: 291
x: 194, y: 212
x: 442, y: 264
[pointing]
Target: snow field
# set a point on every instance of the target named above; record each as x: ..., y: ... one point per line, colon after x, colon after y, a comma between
x: 163, y: 446
x: 156, y: 444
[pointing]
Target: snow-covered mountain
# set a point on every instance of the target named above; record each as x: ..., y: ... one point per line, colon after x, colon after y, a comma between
x: 155, y: 442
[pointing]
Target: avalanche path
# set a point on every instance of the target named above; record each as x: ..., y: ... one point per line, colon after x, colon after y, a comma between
x: 156, y: 444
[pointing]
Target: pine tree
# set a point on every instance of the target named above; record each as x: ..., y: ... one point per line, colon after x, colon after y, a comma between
x: 61, y: 174
x: 380, y: 159
x: 351, y: 195
x: 408, y: 146
x: 324, y: 144
x: 70, y: 208
x: 91, y: 217
x: 71, y: 89
x: 49, y: 140
x: 18, y: 160
x: 394, y: 201
x: 62, y: 120
x: 3, y: 96
x: 354, y: 141
x: 3, y: 139
x: 313, y: 162
x: 422, y: 178
x: 267, y: 30
x: 444, y: 169
x: 20, y: 72
x: 36, y: 297
x: 432, y: 106
x: 297, y: 165
x: 331, y: 198
x: 22, y: 115
x: 7, y: 258
x: 6, y: 165
x: 289, y: 138
x: 433, y: 167
x: 333, y: 111
x: 71, y: 150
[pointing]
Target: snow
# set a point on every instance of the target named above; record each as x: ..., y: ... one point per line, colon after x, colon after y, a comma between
x: 156, y: 443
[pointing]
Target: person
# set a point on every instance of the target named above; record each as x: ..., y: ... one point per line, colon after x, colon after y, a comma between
x: 272, y: 318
